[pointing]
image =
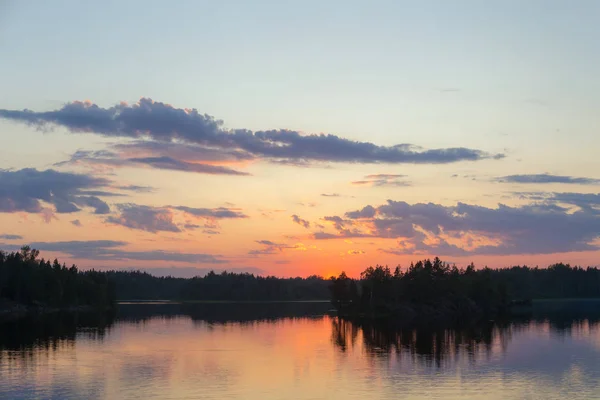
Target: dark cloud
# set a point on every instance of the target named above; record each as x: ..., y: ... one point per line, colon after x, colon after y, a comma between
x: 270, y: 247
x: 28, y: 189
x: 547, y: 178
x: 300, y: 221
x: 165, y: 123
x: 153, y: 160
x: 99, y: 206
x: 187, y: 151
x: 383, y: 180
x: 162, y: 219
x: 77, y: 223
x: 7, y: 236
x: 137, y: 189
x: 189, y: 226
x: 110, y: 250
x: 146, y: 218
x: 537, y: 228
x: 176, y: 165
x: 217, y: 213
x: 366, y: 212
x: 589, y: 202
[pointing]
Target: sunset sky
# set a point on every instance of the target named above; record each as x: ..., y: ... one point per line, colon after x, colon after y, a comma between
x: 297, y: 138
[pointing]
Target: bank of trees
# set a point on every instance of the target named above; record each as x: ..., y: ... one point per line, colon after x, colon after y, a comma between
x: 249, y: 287
x: 27, y: 280
x: 438, y: 288
x: 223, y: 286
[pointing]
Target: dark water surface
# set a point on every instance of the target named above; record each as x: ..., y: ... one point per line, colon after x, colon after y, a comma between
x: 293, y: 351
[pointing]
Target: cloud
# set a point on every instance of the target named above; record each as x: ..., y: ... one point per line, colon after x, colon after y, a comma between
x: 355, y: 252
x: 300, y: 221
x: 28, y: 189
x: 162, y: 122
x: 137, y: 189
x: 7, y: 236
x: 331, y: 195
x: 77, y: 223
x: 151, y: 157
x: 176, y: 165
x: 146, y: 218
x: 547, y: 178
x: 365, y: 212
x: 589, y: 202
x: 99, y: 206
x: 270, y: 247
x: 217, y: 213
x: 110, y: 250
x: 537, y: 228
x: 382, y: 180
x: 163, y: 219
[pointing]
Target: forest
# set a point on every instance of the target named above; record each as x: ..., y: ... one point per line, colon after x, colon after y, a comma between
x: 435, y: 290
x: 29, y: 281
x: 427, y: 288
x: 224, y: 286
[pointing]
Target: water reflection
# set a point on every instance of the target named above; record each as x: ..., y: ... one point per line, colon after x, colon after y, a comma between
x: 433, y: 346
x: 293, y: 351
x: 48, y: 332
x: 222, y: 313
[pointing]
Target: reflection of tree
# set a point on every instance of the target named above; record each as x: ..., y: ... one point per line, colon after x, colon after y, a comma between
x: 28, y: 336
x: 343, y: 329
x: 222, y: 313
x: 435, y: 346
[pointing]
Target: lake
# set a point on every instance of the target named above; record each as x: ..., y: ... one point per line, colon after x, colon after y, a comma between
x: 294, y: 351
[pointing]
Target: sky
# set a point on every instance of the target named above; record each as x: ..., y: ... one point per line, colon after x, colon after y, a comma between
x: 298, y: 138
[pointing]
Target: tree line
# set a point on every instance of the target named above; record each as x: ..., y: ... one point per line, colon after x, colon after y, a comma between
x: 437, y: 290
x: 27, y: 280
x: 425, y: 287
x: 224, y: 286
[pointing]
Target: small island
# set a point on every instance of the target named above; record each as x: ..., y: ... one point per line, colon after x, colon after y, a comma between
x: 432, y: 291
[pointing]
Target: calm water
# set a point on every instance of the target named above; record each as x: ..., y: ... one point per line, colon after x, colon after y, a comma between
x: 292, y: 351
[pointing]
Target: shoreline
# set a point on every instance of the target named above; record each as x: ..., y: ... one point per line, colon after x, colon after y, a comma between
x: 17, y: 311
